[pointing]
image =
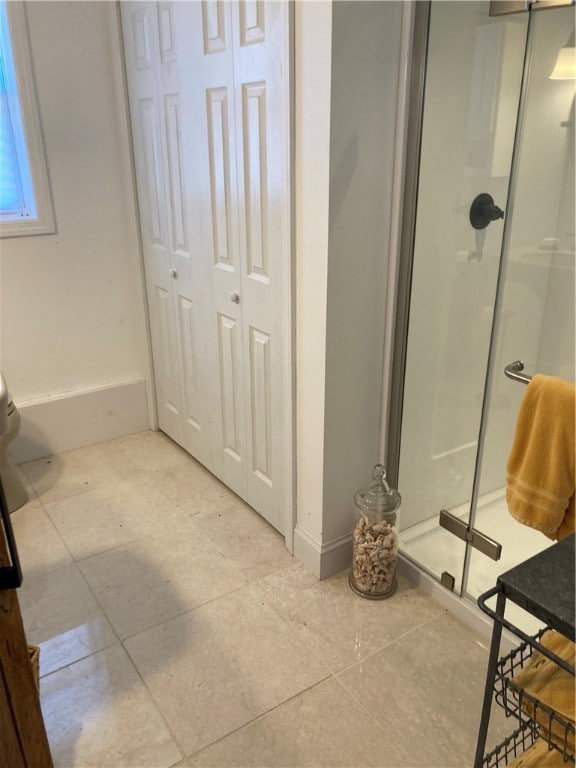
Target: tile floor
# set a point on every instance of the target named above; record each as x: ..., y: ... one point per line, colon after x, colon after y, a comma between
x: 176, y: 630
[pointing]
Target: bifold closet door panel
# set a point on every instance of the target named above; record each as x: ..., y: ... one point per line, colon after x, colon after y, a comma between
x: 190, y: 277
x: 207, y: 54
x: 140, y: 29
x: 175, y: 276
x: 262, y: 135
x: 238, y: 99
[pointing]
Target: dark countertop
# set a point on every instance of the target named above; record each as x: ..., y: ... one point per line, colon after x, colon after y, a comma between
x: 544, y: 586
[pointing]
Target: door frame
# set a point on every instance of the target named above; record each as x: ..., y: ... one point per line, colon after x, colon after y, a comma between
x: 414, y: 119
x: 289, y: 299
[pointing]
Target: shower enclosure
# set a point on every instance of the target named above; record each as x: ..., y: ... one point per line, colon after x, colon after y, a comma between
x: 491, y: 124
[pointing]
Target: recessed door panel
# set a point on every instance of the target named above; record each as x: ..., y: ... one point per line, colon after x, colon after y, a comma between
x: 152, y: 170
x: 166, y: 31
x: 218, y: 129
x: 140, y: 23
x: 176, y: 167
x: 213, y: 26
x: 228, y: 379
x: 252, y: 21
x: 260, y: 405
x: 254, y: 117
x: 166, y: 361
x: 196, y: 419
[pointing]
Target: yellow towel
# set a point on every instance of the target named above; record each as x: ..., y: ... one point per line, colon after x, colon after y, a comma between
x: 540, y: 756
x: 540, y: 470
x: 552, y: 686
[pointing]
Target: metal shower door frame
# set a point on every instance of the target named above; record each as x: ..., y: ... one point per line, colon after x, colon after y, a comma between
x: 404, y: 277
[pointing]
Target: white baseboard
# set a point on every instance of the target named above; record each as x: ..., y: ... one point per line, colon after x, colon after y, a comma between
x: 322, y: 560
x: 72, y: 420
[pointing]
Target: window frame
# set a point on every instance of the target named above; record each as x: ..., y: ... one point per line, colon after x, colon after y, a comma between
x: 43, y: 223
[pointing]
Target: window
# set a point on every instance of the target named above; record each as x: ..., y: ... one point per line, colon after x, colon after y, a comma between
x: 25, y: 204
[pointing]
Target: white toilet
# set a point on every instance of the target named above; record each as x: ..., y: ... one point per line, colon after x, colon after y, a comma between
x: 14, y: 491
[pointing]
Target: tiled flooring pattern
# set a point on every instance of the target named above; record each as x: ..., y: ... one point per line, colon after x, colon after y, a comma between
x: 175, y: 629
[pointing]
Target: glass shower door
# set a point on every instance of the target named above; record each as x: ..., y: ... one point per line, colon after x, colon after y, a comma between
x: 472, y: 90
x: 536, y: 321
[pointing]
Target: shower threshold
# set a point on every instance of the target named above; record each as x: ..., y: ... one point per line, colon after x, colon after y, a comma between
x: 427, y: 549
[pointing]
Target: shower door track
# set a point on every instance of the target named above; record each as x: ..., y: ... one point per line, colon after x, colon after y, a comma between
x: 508, y: 7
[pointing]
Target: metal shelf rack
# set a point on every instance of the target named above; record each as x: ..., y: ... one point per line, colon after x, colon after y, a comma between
x: 543, y: 586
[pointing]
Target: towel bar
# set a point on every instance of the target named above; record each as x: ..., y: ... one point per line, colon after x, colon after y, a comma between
x: 512, y: 370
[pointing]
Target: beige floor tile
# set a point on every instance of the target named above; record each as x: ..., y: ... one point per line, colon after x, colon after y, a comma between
x: 246, y: 540
x: 61, y: 616
x: 159, y: 577
x: 427, y: 687
x: 32, y: 496
x: 174, y: 472
x: 338, y: 625
x: 99, y: 713
x: 39, y: 543
x: 194, y: 490
x: 111, y: 516
x: 154, y: 451
x: 221, y: 665
x: 321, y: 727
x: 76, y: 472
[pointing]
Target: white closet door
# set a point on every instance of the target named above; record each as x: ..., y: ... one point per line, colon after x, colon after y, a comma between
x: 214, y: 76
x: 262, y: 111
x: 140, y: 24
x: 239, y: 94
x: 174, y: 279
x: 187, y: 268
x: 207, y: 54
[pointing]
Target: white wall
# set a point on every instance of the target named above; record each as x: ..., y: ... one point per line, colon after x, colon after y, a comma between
x: 312, y: 82
x: 365, y: 69
x: 341, y: 277
x: 72, y: 320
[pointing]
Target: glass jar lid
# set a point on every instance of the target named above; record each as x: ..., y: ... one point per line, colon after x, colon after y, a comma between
x: 379, y: 497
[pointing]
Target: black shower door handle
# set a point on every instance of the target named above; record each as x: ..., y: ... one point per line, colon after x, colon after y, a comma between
x: 483, y: 210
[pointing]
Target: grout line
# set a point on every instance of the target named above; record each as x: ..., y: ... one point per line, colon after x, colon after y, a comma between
x: 156, y: 704
x: 79, y: 560
x: 58, y: 534
x: 275, y: 573
x: 247, y: 585
x: 260, y: 716
x: 183, y: 614
x: 387, y: 644
x: 379, y: 724
x: 71, y: 663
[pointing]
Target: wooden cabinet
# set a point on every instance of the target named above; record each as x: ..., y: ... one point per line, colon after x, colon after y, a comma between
x: 23, y: 740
